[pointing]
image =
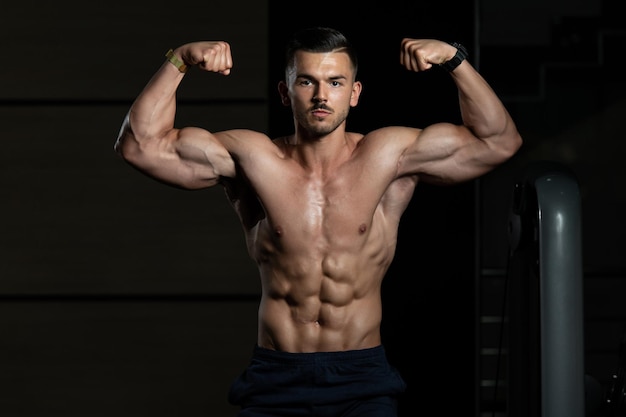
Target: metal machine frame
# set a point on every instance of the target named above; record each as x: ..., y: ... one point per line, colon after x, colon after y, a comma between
x: 545, y: 291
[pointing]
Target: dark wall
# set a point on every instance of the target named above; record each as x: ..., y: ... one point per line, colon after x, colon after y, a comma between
x: 119, y: 295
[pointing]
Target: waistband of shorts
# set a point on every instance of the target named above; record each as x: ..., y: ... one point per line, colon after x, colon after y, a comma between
x: 367, y: 354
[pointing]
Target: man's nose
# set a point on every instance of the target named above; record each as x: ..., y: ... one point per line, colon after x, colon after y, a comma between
x: 320, y: 94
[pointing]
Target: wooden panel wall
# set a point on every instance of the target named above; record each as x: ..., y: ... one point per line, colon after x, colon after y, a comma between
x: 118, y: 295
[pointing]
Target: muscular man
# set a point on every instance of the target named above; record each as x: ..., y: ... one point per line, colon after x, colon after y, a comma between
x: 320, y: 208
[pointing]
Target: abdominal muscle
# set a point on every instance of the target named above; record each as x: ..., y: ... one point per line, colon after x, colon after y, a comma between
x: 312, y: 325
x: 315, y: 304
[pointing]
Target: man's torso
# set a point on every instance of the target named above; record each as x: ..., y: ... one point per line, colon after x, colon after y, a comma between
x: 323, y: 240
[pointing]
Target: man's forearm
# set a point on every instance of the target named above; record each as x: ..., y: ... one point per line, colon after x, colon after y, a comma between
x: 482, y: 110
x: 154, y: 111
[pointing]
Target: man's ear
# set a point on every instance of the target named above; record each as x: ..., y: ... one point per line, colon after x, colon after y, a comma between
x: 283, y: 90
x: 357, y: 87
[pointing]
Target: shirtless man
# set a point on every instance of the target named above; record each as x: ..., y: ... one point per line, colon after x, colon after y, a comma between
x: 320, y: 208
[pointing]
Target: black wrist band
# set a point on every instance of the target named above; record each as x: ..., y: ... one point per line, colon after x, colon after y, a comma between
x: 460, y: 56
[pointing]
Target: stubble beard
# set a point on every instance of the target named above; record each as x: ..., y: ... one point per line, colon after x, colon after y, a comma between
x: 316, y: 130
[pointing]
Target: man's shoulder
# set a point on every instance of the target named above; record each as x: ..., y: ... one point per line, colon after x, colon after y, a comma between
x: 390, y: 136
x: 282, y: 139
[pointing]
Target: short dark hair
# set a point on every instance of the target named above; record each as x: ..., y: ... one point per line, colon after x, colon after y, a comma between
x: 319, y: 39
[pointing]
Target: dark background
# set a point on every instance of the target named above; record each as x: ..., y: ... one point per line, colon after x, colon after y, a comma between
x: 121, y: 296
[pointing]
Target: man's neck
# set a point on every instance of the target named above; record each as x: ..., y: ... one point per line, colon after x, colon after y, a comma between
x: 320, y: 153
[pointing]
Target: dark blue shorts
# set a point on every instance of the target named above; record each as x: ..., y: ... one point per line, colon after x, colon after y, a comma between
x: 350, y: 383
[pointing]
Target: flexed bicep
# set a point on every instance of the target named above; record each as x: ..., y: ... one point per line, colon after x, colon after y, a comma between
x: 204, y: 155
x: 188, y: 158
x: 445, y: 154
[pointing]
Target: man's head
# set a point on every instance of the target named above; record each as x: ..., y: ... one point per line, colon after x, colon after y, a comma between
x: 320, y: 80
x: 319, y: 39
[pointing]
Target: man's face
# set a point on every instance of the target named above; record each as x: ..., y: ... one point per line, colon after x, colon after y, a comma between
x: 320, y: 88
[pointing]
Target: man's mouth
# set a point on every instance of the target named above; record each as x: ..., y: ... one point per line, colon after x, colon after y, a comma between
x: 321, y: 110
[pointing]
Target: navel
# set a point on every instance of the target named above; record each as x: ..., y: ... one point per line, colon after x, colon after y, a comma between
x: 362, y: 228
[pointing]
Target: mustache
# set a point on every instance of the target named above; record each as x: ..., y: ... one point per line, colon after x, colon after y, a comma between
x: 321, y: 106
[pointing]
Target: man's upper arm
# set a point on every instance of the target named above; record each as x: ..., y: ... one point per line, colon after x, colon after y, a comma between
x: 188, y: 158
x: 445, y: 153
